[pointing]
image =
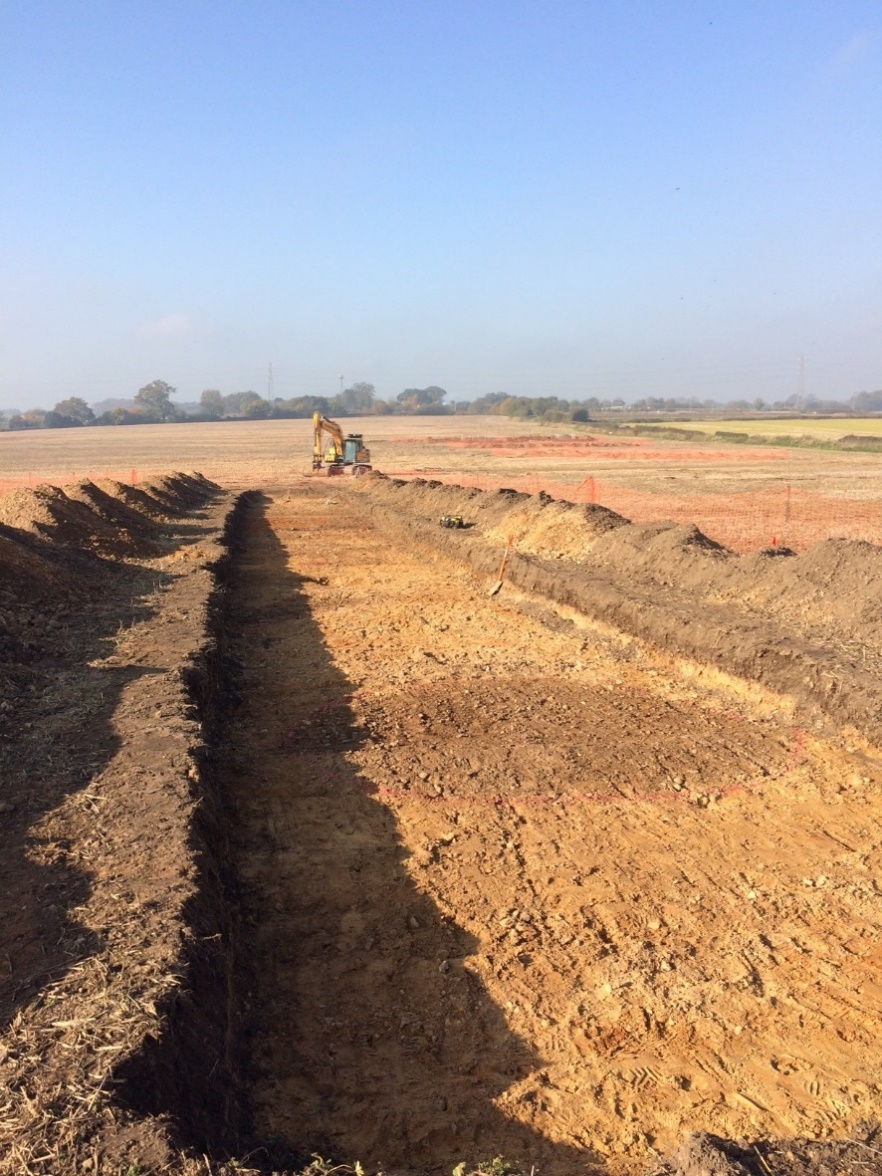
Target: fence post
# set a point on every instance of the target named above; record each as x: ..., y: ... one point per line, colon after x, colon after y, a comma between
x: 585, y: 490
x: 787, y: 515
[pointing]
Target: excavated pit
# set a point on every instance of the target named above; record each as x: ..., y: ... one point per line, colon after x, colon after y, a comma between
x: 421, y: 877
x: 512, y: 883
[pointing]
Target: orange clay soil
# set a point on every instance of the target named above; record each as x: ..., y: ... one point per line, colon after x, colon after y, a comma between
x: 517, y: 884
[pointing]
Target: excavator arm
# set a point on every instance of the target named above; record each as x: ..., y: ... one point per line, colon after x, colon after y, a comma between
x: 321, y: 424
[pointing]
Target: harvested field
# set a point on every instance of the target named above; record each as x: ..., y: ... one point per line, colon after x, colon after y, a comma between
x: 316, y: 848
x: 743, y: 496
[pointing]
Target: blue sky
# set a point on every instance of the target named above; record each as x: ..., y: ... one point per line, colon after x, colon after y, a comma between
x: 617, y: 198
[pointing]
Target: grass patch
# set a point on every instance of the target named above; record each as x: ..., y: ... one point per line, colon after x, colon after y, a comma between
x: 855, y: 435
x: 822, y: 429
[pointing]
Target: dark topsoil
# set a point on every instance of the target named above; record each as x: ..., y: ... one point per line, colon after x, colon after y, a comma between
x: 706, y: 1155
x: 113, y: 904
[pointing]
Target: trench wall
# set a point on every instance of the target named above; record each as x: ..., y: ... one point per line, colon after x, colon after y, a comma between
x: 806, y: 626
x: 190, y: 1073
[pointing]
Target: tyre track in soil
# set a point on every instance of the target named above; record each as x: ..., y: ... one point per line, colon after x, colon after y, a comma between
x: 530, y: 890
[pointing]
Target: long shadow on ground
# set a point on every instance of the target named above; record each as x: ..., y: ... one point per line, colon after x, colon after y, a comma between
x: 369, y: 1037
x: 362, y: 1033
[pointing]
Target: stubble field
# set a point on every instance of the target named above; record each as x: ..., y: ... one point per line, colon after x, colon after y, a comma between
x: 743, y: 496
x: 561, y: 874
x: 269, y: 452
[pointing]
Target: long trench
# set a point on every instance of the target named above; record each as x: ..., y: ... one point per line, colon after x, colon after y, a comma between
x: 517, y: 886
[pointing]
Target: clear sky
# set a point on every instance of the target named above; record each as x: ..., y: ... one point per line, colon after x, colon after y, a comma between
x: 571, y: 197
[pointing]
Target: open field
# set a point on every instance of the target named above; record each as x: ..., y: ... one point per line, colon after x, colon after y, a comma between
x: 239, y: 452
x: 743, y: 496
x: 313, y: 846
x: 235, y: 451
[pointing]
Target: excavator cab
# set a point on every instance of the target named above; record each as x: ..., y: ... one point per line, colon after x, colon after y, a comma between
x: 354, y: 450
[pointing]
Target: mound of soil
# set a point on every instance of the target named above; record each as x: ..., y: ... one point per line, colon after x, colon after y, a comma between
x: 98, y: 791
x: 540, y: 524
x: 47, y: 511
x: 42, y: 588
x: 134, y: 497
x: 807, y: 625
x: 833, y: 585
x: 828, y: 595
x: 134, y: 530
x: 58, y: 556
x: 113, y: 519
x: 178, y: 493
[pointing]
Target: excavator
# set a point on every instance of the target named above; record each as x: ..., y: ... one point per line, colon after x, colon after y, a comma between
x: 343, y: 454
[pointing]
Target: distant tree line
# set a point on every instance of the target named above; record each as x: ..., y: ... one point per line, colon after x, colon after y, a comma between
x: 860, y: 404
x: 545, y: 408
x: 358, y: 400
x: 153, y: 404
x: 555, y: 409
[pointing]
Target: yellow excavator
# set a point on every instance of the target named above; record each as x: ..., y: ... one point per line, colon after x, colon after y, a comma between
x: 343, y: 454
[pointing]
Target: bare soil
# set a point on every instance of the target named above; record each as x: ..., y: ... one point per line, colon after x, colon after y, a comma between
x: 97, y: 744
x: 247, y: 454
x: 518, y: 884
x: 313, y: 846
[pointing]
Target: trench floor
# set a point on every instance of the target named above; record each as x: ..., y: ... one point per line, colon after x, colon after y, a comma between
x: 522, y: 887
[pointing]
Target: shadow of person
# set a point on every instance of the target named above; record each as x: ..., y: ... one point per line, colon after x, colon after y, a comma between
x: 329, y: 1006
x: 370, y: 1037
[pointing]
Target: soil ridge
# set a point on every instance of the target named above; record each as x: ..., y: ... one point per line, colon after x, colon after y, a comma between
x: 107, y: 825
x: 809, y: 626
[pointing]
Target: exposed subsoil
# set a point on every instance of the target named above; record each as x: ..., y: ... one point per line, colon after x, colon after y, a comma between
x: 312, y: 846
x: 517, y: 883
x: 808, y: 626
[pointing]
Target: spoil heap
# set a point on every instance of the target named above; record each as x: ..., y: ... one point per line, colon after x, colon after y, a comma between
x: 103, y: 602
x: 806, y: 625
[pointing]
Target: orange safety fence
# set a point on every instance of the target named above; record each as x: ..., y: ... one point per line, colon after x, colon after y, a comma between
x: 787, y: 516
x: 602, y: 448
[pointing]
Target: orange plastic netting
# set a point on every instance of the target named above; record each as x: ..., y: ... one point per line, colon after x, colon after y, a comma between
x: 743, y: 521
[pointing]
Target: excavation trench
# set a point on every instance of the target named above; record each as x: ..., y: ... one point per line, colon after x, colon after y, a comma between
x: 341, y: 855
x: 520, y: 888
x: 369, y: 1037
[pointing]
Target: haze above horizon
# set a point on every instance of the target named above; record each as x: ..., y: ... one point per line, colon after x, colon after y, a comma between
x: 578, y: 199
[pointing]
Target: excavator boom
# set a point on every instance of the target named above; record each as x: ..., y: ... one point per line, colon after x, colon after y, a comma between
x: 343, y: 453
